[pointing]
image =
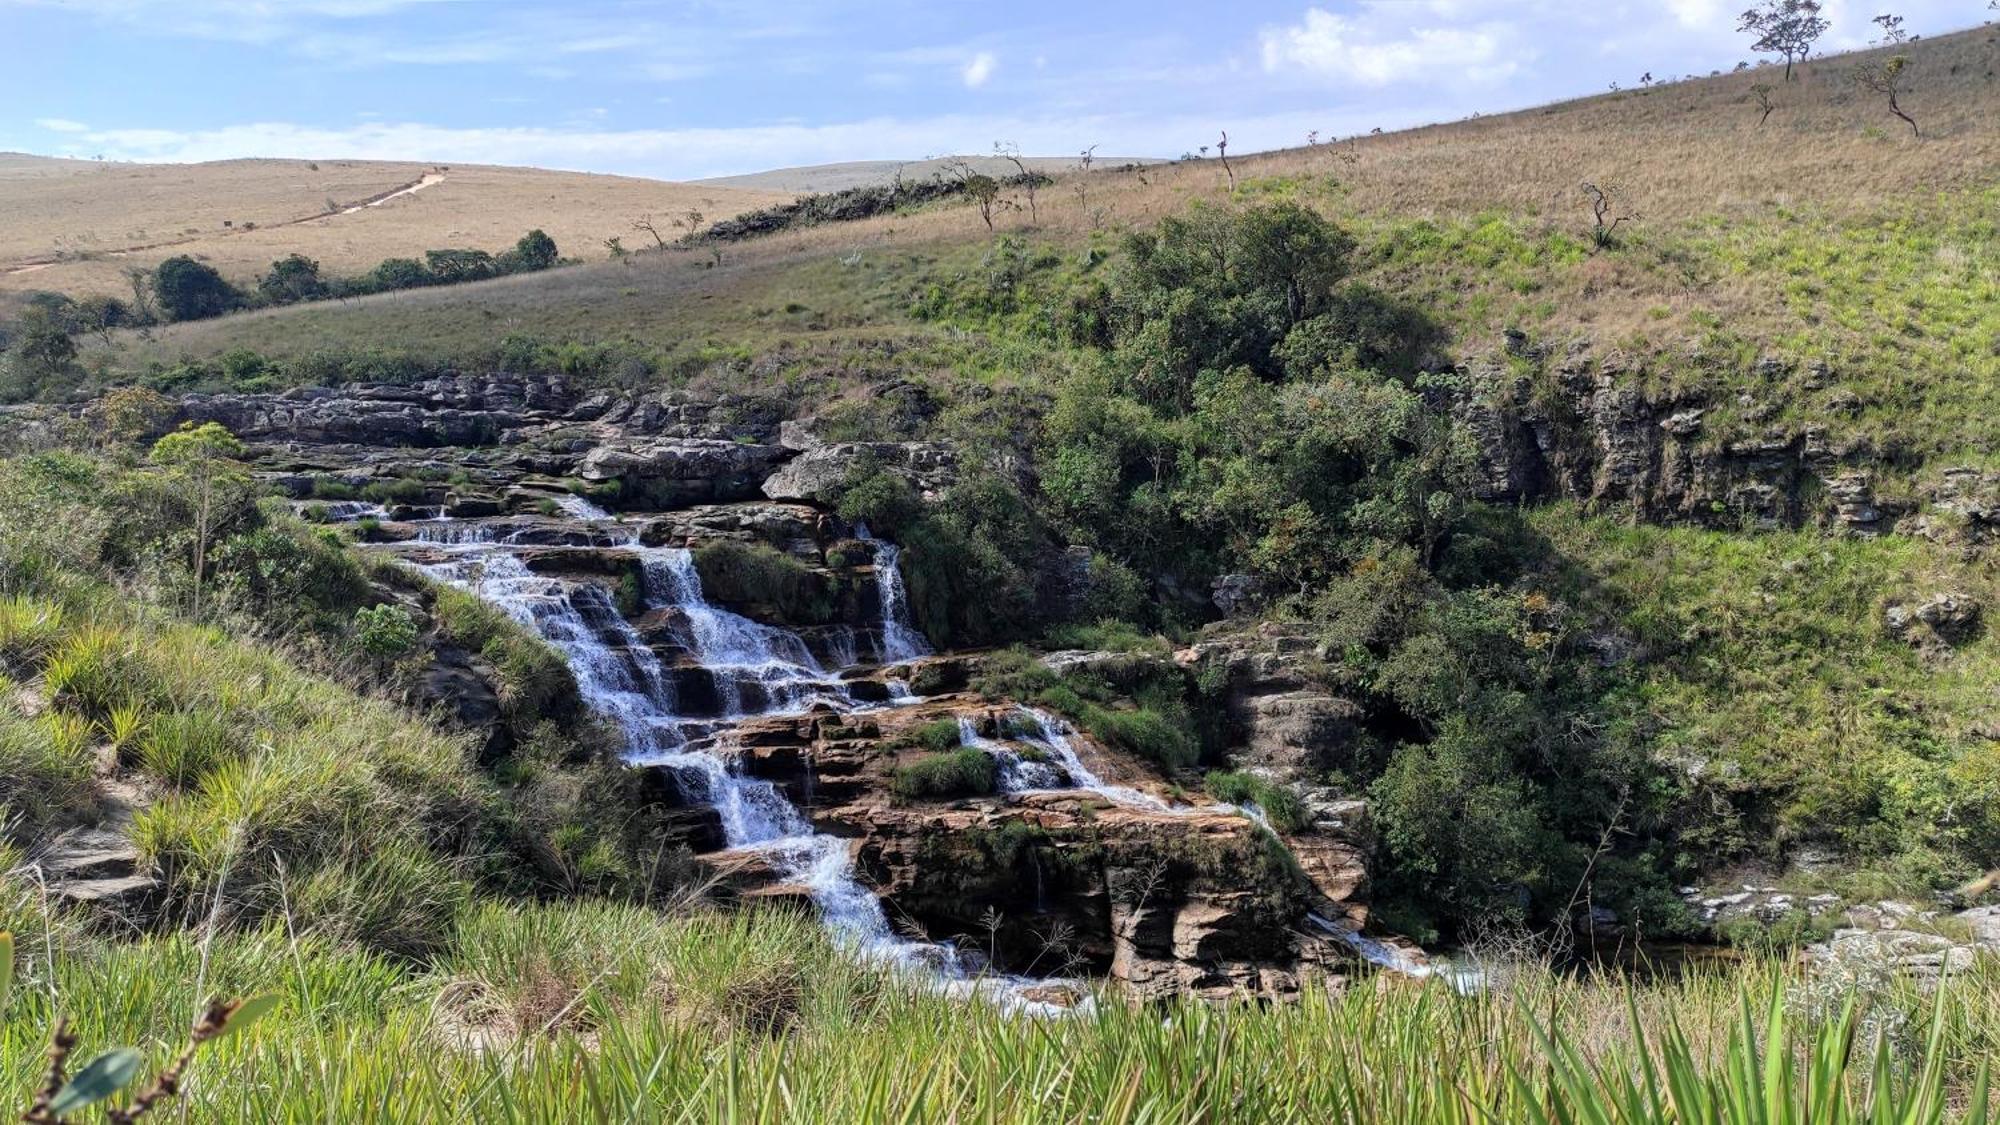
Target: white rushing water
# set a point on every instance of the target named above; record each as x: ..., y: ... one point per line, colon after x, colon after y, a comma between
x: 757, y: 669
x: 577, y: 508
x: 1056, y: 764
x: 900, y: 642
x: 770, y: 667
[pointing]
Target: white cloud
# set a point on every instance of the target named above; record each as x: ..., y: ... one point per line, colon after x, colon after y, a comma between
x: 62, y: 125
x: 979, y: 70
x: 1375, y: 48
x: 692, y: 153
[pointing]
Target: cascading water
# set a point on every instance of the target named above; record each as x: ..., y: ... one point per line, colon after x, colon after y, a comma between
x: 900, y: 641
x: 577, y: 508
x: 620, y: 676
x: 1060, y: 767
x: 347, y: 511
x: 773, y: 664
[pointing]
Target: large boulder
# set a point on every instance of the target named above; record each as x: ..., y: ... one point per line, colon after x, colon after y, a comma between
x: 684, y: 471
x: 817, y: 475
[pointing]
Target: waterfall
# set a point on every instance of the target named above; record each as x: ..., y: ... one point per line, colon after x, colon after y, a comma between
x: 763, y: 670
x: 773, y: 663
x: 347, y: 511
x: 900, y: 640
x: 619, y: 676
x: 577, y: 508
x: 1063, y: 769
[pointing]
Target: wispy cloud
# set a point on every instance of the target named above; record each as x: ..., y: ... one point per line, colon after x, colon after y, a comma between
x: 62, y: 125
x: 1378, y: 47
x: 979, y: 70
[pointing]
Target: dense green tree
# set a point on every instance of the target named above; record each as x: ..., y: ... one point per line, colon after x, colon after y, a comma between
x: 294, y: 277
x: 41, y: 352
x: 449, y: 267
x: 191, y: 290
x: 535, y: 251
x: 399, y: 273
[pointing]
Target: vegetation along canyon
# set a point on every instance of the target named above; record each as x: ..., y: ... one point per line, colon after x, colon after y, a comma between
x: 1376, y: 562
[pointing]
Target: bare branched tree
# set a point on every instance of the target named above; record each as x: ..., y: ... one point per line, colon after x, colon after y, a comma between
x: 1030, y: 181
x: 1222, y: 150
x: 1886, y: 78
x: 982, y: 189
x: 1785, y: 27
x: 1892, y: 30
x: 645, y: 224
x: 1605, y: 210
x: 1083, y: 161
x: 1762, y: 92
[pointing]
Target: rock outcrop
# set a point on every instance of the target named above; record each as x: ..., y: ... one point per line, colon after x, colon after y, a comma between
x: 1285, y: 723
x: 817, y: 474
x: 1167, y: 900
x: 1592, y: 428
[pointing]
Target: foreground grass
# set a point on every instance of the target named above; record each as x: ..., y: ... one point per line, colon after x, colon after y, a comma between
x: 615, y: 1013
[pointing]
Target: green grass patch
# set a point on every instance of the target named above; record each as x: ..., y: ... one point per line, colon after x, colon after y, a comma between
x: 965, y: 772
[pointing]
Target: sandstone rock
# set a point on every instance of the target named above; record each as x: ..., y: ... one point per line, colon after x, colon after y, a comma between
x: 97, y: 869
x: 685, y: 471
x: 1295, y: 732
x: 447, y: 411
x: 818, y: 474
x: 1235, y: 593
x: 1984, y: 924
x: 464, y: 695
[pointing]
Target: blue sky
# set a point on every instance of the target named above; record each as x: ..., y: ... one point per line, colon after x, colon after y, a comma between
x: 709, y: 87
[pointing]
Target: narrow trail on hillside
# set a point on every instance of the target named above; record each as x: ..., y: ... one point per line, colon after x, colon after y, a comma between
x: 427, y: 180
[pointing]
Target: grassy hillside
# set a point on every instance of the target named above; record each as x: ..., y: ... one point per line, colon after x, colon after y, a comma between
x: 1823, y: 235
x: 76, y: 226
x: 871, y: 173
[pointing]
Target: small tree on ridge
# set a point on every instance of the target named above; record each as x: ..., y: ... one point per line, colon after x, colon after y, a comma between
x: 1785, y: 27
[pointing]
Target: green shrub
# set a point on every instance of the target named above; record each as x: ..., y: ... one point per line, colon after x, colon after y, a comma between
x: 46, y: 772
x: 400, y: 490
x: 95, y: 670
x: 534, y: 678
x: 397, y: 900
x: 938, y: 736
x: 29, y: 630
x: 1279, y: 803
x: 965, y: 772
x: 385, y: 631
x: 761, y: 576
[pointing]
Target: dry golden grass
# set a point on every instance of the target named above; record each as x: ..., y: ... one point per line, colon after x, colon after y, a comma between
x: 76, y: 226
x: 1686, y: 157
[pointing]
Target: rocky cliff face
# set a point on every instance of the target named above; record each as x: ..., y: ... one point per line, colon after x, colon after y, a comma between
x: 1585, y: 428
x: 642, y: 452
x: 1166, y: 899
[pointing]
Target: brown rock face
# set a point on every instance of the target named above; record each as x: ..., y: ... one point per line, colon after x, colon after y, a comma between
x: 1052, y: 882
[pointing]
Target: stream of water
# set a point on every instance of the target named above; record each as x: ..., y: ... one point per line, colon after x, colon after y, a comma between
x: 762, y: 670
x: 756, y: 670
